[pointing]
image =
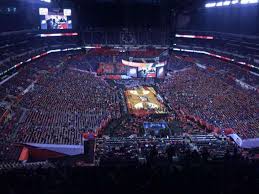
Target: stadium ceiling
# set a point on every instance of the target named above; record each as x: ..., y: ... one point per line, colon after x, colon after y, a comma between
x: 177, y: 5
x: 173, y: 4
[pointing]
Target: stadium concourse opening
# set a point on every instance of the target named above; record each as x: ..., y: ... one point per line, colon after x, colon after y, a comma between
x: 144, y: 100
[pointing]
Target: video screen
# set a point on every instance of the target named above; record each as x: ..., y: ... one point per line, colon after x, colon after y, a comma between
x: 148, y: 71
x: 55, y: 19
x: 145, y: 70
x: 132, y: 72
x: 160, y: 72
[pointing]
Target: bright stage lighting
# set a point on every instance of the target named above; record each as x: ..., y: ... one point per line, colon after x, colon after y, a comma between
x: 46, y: 1
x: 219, y: 4
x: 244, y: 1
x: 226, y: 3
x: 67, y: 12
x: 43, y: 11
x: 248, y: 1
x: 235, y: 2
x: 208, y: 5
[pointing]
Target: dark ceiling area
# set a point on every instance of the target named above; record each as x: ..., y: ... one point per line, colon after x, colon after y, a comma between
x: 106, y: 13
x: 131, y: 13
x: 162, y: 15
x: 172, y: 4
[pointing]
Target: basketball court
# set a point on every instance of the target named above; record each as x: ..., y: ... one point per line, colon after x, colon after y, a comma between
x: 144, y: 101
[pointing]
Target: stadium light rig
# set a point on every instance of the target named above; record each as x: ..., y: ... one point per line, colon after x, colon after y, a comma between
x: 46, y: 1
x: 229, y: 3
x: 194, y: 36
x: 248, y: 1
x: 234, y: 2
x: 208, y: 5
x: 226, y: 3
x: 219, y: 4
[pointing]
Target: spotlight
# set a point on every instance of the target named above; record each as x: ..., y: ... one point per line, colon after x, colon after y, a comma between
x: 46, y: 1
x: 226, y: 3
x: 208, y: 5
x: 244, y: 1
x: 235, y: 2
x: 219, y: 4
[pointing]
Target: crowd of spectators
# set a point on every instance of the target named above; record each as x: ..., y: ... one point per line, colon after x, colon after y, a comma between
x: 62, y: 103
x: 178, y: 62
x: 240, y: 47
x: 233, y: 175
x: 9, y: 152
x: 60, y: 109
x: 174, y: 148
x: 55, y: 99
x: 208, y: 97
x: 227, y: 70
x: 12, y: 89
x: 19, y: 48
x: 65, y: 98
